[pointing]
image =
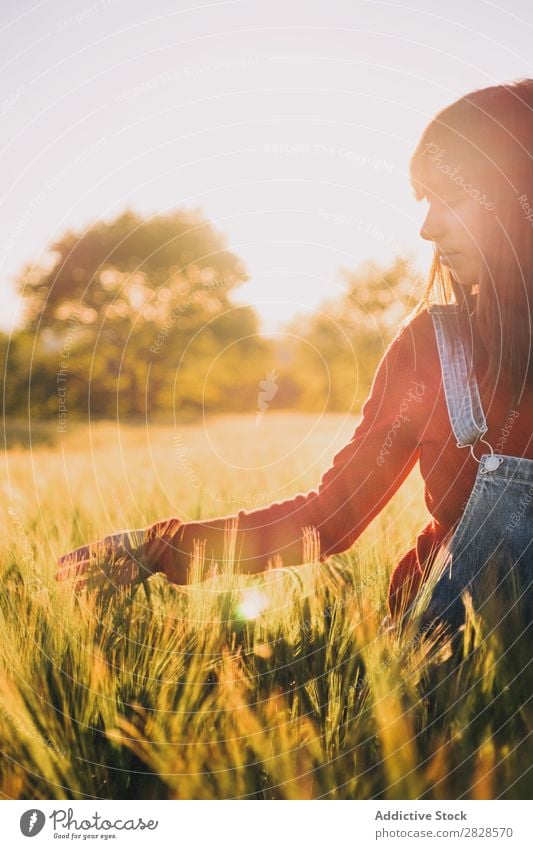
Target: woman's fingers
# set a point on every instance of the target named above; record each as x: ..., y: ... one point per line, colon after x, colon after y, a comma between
x: 75, y: 571
x: 78, y: 555
x: 106, y: 561
x: 88, y: 574
x: 74, y: 565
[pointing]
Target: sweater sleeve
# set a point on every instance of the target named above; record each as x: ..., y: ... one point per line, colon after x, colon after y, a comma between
x: 363, y: 477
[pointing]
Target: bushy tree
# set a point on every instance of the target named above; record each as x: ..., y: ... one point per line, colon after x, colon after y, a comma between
x: 132, y: 313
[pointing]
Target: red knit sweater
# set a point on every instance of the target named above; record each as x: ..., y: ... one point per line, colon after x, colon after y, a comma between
x: 404, y: 420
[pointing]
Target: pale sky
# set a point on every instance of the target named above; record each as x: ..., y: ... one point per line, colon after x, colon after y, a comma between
x: 289, y: 123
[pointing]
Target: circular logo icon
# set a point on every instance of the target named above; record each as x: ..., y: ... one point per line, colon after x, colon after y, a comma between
x: 32, y: 822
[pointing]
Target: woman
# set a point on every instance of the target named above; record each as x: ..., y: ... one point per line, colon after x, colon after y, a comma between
x: 452, y: 392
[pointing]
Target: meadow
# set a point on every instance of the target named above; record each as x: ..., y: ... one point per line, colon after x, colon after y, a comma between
x: 284, y: 686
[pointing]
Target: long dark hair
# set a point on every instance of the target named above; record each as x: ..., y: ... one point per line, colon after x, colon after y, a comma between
x: 484, y: 143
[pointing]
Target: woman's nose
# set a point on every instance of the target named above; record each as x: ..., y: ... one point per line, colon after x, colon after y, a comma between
x: 431, y: 228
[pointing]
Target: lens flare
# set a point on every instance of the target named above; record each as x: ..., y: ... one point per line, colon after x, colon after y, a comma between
x: 252, y: 604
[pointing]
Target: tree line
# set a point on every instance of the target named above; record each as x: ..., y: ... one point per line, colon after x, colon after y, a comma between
x: 136, y: 317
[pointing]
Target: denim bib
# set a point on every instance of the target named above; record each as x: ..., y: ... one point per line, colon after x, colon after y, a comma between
x: 491, y: 550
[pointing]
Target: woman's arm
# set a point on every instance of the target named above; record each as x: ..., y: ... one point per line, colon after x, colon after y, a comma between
x: 363, y: 477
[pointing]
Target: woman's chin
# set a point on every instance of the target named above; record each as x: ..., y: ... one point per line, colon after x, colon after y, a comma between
x: 464, y: 277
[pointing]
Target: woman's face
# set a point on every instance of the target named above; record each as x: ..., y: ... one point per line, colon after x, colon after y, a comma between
x: 453, y: 223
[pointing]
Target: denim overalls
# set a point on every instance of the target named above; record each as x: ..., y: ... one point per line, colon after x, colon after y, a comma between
x: 492, y: 546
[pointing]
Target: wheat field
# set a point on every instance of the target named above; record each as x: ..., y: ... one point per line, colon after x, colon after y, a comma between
x: 288, y: 685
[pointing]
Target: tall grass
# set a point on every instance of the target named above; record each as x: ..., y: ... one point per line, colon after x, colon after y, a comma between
x: 284, y: 686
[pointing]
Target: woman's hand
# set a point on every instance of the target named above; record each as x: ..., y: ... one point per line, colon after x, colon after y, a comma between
x: 126, y: 557
x: 118, y: 558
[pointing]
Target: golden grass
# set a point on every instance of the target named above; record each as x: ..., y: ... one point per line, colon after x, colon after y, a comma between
x: 281, y: 686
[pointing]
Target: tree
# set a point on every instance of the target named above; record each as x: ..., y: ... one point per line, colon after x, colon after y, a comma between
x: 338, y: 347
x: 115, y: 307
x: 131, y: 268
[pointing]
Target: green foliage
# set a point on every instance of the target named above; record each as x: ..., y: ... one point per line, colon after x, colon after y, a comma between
x: 134, y: 269
x: 135, y: 317
x: 131, y: 316
x: 336, y: 350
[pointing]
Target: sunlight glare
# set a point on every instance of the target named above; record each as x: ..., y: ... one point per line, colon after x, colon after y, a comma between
x: 252, y: 604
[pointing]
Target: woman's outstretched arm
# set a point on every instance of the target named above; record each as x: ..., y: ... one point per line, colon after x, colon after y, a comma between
x: 363, y: 477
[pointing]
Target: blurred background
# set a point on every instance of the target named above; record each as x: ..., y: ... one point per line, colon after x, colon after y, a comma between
x: 206, y: 209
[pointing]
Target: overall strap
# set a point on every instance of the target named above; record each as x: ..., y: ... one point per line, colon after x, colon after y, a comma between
x: 460, y: 385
